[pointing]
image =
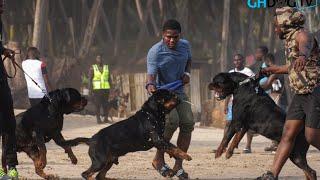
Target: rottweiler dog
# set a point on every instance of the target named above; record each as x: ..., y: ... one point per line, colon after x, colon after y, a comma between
x: 140, y: 132
x: 44, y: 122
x: 254, y: 110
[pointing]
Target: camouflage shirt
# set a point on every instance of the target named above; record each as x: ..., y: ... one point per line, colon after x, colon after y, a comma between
x: 305, y: 81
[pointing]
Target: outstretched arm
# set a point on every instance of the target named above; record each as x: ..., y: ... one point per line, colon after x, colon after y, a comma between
x: 275, y: 70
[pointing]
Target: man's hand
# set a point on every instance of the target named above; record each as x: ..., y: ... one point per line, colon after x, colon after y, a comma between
x: 8, y: 53
x: 151, y: 88
x: 266, y: 71
x: 185, y: 79
x: 299, y: 63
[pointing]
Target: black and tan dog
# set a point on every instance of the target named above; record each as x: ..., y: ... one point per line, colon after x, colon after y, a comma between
x: 44, y: 122
x: 140, y: 132
x: 254, y: 110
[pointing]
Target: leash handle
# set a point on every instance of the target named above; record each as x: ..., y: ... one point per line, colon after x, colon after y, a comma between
x: 14, y: 66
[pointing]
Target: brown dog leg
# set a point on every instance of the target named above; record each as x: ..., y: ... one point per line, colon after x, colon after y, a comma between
x: 58, y: 138
x: 235, y: 142
x: 71, y: 155
x: 175, y: 152
x: 102, y: 174
x: 223, y: 145
x: 88, y: 174
x: 39, y: 160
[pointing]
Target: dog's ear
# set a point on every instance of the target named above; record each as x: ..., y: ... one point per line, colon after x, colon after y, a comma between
x: 210, y: 86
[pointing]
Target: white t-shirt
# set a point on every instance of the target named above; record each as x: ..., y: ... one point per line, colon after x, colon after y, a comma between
x: 246, y: 71
x: 33, y: 68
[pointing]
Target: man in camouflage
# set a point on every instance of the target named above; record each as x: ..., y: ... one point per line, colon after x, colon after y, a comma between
x: 302, y: 67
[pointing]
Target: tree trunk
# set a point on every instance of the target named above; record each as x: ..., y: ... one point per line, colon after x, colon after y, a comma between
x: 64, y: 15
x: 18, y: 82
x: 142, y: 16
x: 106, y: 24
x: 39, y: 27
x: 118, y: 27
x: 182, y: 14
x: 50, y: 40
x: 225, y: 34
x: 143, y: 29
x: 161, y: 7
x: 139, y: 9
x: 154, y: 23
x: 247, y: 37
x: 91, y: 27
x: 71, y: 27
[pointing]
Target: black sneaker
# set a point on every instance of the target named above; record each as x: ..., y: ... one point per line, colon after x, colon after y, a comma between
x: 272, y: 147
x: 267, y: 176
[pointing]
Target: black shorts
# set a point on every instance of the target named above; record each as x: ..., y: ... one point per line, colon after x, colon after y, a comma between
x: 306, y: 107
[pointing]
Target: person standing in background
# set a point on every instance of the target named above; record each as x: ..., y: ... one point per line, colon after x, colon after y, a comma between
x: 99, y: 86
x: 37, y: 70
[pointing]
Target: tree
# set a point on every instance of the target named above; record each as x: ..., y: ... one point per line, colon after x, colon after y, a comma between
x: 40, y: 22
x: 225, y: 34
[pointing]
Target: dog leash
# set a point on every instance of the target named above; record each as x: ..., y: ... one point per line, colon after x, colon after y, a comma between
x: 253, y: 77
x: 15, y: 65
x: 248, y: 79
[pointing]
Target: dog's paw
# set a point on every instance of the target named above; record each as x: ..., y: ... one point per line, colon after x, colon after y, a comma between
x: 219, y: 152
x: 52, y: 177
x: 188, y: 157
x: 73, y: 159
x: 229, y: 154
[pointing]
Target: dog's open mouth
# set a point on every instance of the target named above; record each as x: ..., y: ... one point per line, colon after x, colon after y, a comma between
x: 219, y: 92
x: 219, y: 95
x: 79, y: 106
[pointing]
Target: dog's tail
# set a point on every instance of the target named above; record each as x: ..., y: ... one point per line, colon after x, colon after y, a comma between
x: 76, y: 141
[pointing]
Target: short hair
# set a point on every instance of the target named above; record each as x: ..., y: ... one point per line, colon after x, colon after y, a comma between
x: 171, y: 24
x: 238, y: 54
x: 264, y: 49
x: 35, y: 52
x: 270, y: 57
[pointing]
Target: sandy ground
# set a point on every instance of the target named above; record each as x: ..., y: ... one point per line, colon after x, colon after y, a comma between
x: 138, y: 165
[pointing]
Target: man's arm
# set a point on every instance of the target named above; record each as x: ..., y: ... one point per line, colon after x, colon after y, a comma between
x: 151, y: 70
x: 188, y: 66
x: 305, y: 45
x: 186, y: 76
x: 46, y: 77
x: 268, y: 84
x: 275, y: 70
x: 47, y: 82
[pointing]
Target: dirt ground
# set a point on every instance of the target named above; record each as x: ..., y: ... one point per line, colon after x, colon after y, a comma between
x: 138, y: 165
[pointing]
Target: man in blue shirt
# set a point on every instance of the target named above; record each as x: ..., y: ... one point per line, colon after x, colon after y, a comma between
x: 168, y: 61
